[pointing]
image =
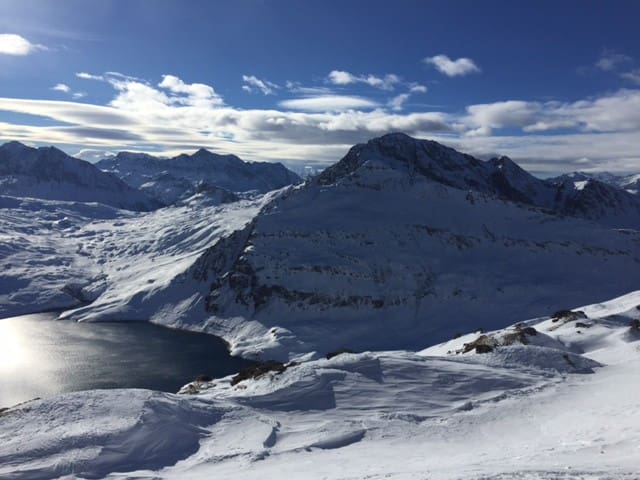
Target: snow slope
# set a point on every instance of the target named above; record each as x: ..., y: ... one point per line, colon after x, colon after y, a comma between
x: 387, y: 249
x: 57, y: 255
x: 170, y: 179
x: 49, y: 173
x: 375, y: 253
x: 561, y: 406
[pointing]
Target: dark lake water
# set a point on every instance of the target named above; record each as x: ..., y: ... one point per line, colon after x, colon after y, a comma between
x: 41, y: 356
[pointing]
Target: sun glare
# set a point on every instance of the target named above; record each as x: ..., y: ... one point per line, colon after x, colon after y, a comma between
x: 13, y: 341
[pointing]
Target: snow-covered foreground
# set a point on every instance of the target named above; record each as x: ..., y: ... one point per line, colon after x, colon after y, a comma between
x: 562, y: 405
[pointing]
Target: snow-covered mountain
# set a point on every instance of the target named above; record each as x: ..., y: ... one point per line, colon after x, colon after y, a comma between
x: 49, y: 173
x: 551, y: 398
x: 170, y: 179
x: 630, y: 183
x: 402, y: 242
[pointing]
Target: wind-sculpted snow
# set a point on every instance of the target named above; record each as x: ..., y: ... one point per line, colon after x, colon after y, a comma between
x: 556, y: 398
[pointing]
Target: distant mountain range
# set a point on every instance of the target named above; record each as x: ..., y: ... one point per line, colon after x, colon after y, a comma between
x: 134, y: 181
x: 171, y: 179
x: 49, y: 173
x: 630, y: 183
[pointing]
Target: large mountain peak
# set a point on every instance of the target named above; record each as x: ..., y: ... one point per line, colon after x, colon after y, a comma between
x: 413, y: 157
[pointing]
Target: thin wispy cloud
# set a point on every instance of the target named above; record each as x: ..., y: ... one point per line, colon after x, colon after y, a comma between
x: 88, y: 76
x: 632, y: 76
x: 610, y: 60
x: 341, y: 77
x: 253, y: 84
x: 297, y: 87
x: 397, y: 102
x: 16, y: 45
x: 453, y: 68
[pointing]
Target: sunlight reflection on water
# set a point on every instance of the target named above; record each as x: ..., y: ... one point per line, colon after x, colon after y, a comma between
x: 40, y: 356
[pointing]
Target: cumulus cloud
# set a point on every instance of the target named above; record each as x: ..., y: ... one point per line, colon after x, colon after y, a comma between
x: 12, y: 44
x: 341, y: 77
x: 196, y: 94
x: 328, y: 103
x: 452, y: 68
x: 253, y: 83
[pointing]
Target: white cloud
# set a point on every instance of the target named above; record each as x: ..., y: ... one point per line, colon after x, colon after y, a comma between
x: 11, y: 44
x: 632, y: 75
x: 88, y: 76
x: 252, y: 82
x: 453, y: 68
x: 328, y: 103
x: 93, y: 155
x: 610, y: 60
x: 619, y: 111
x: 64, y: 88
x: 297, y: 87
x: 482, y: 118
x: 340, y: 77
x: 61, y: 87
x: 397, y: 102
x: 175, y: 116
x: 197, y: 94
x: 416, y: 88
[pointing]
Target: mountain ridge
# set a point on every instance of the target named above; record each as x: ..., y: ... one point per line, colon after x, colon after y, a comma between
x: 49, y: 173
x: 175, y: 178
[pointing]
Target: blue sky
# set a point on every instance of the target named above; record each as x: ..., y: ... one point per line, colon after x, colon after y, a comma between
x: 554, y: 85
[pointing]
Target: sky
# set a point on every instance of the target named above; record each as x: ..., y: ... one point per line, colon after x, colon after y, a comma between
x: 555, y: 85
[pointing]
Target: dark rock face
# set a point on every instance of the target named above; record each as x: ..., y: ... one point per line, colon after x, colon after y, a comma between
x: 258, y: 370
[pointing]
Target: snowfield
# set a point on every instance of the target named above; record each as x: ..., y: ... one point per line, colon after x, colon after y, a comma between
x: 562, y: 405
x: 57, y: 255
x: 394, y: 252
